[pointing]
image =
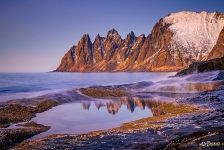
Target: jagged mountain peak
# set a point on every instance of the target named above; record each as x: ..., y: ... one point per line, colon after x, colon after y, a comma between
x: 129, y: 40
x: 98, y: 38
x: 131, y: 35
x: 86, y: 37
x: 176, y: 41
x: 113, y: 31
x: 141, y: 36
x: 113, y: 34
x: 85, y: 41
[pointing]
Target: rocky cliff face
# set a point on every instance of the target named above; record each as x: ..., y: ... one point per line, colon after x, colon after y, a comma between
x: 203, y: 66
x: 176, y: 41
x: 218, y: 49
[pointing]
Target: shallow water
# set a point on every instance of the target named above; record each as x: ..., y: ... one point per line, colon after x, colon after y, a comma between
x: 23, y: 85
x: 78, y: 117
x: 82, y: 117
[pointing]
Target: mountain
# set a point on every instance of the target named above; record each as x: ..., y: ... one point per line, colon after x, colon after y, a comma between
x: 218, y: 49
x: 203, y: 66
x: 175, y: 42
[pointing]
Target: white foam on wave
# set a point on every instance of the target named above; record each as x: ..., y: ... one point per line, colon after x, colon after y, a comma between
x: 59, y: 82
x: 30, y: 94
x: 188, y: 84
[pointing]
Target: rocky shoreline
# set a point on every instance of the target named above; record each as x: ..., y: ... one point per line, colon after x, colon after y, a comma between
x: 185, y: 124
x: 180, y: 120
x: 13, y: 113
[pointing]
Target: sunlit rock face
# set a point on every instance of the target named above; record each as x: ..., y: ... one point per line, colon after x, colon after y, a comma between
x: 203, y: 66
x: 175, y: 42
x: 67, y: 61
x: 218, y: 49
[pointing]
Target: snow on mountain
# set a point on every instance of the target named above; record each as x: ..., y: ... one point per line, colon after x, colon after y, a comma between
x: 195, y: 34
x: 176, y: 41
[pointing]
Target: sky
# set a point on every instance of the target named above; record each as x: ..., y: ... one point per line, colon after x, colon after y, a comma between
x: 35, y: 34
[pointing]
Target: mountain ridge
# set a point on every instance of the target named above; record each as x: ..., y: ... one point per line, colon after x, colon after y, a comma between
x: 171, y: 46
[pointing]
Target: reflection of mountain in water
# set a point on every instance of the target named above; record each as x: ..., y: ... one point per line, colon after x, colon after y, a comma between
x: 131, y: 103
x: 86, y: 105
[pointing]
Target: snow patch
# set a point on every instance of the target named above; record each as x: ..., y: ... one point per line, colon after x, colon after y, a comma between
x: 194, y: 33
